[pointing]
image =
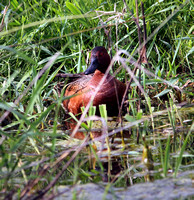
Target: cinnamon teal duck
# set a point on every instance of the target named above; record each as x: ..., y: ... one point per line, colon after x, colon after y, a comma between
x: 110, y: 93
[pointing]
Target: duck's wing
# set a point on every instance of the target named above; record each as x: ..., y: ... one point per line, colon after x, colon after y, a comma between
x: 79, y: 84
x: 74, y: 86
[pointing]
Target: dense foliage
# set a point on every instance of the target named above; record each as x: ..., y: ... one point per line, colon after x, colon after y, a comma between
x: 32, y: 32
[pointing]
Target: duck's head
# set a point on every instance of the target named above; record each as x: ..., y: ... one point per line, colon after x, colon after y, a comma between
x: 99, y: 60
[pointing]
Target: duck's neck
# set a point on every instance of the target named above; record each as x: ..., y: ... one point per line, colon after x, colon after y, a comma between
x: 98, y: 73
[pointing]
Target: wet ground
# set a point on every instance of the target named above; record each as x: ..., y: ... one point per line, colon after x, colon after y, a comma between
x: 181, y: 187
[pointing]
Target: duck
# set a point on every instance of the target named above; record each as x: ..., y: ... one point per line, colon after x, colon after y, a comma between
x: 81, y: 90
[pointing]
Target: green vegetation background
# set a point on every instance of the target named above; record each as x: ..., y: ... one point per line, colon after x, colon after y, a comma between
x: 35, y: 30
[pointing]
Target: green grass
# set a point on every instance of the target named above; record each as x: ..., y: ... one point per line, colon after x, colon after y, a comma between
x: 43, y: 38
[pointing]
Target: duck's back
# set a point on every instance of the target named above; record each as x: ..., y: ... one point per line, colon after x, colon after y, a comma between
x: 111, y: 94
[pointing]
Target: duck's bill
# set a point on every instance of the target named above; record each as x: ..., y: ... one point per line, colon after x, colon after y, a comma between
x: 93, y: 66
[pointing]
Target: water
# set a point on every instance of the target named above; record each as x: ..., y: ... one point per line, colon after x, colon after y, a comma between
x: 119, y: 158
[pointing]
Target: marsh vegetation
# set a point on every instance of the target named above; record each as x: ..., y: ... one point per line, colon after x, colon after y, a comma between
x: 154, y: 136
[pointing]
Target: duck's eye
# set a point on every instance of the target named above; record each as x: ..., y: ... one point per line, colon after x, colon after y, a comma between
x: 101, y: 54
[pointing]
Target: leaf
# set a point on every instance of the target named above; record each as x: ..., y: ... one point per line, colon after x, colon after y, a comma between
x: 43, y: 115
x: 73, y: 8
x: 25, y: 76
x: 163, y: 93
x: 83, y: 125
x: 129, y: 118
x: 19, y: 53
x: 103, y: 111
x: 149, y: 82
x: 179, y: 160
x: 7, y: 83
x: 36, y: 93
x: 76, y: 11
x: 175, y: 54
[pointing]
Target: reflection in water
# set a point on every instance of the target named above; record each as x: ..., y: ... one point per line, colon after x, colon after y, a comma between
x: 130, y: 162
x: 81, y: 134
x: 148, y: 161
